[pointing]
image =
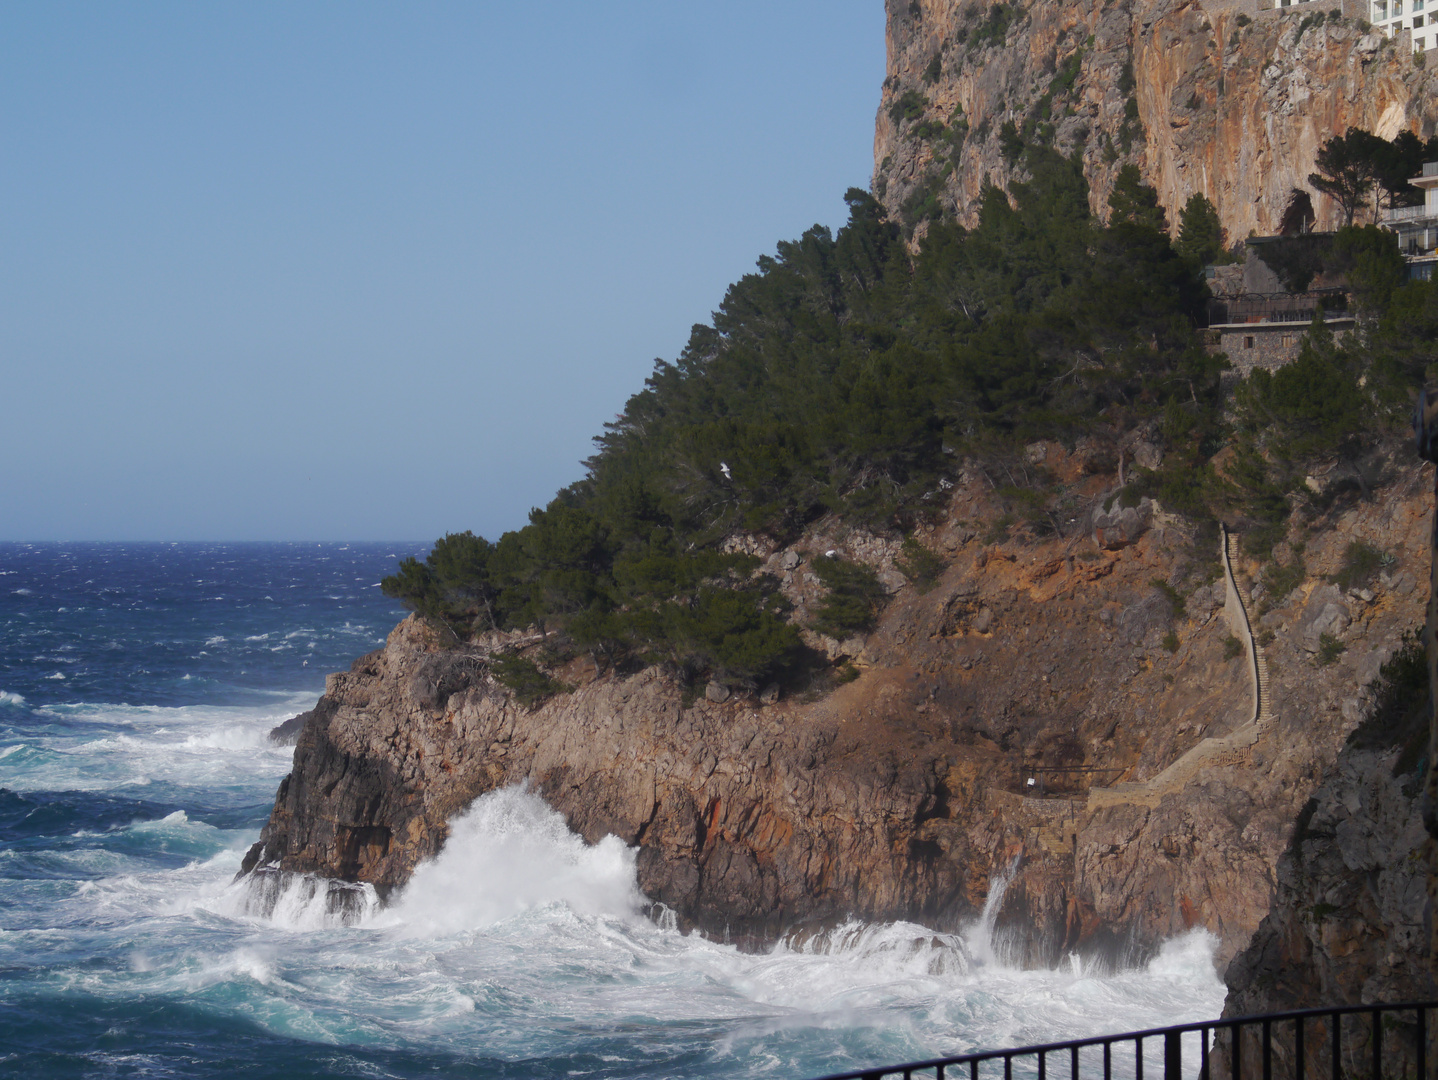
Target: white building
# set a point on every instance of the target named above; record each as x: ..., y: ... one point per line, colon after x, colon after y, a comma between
x: 1417, y: 226
x: 1393, y: 17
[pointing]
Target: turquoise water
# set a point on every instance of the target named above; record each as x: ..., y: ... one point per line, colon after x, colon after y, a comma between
x: 137, y: 684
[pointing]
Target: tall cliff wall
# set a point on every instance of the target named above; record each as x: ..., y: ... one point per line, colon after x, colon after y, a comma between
x: 1204, y: 97
x: 901, y: 794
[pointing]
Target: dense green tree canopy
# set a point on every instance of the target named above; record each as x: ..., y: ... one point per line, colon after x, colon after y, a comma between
x: 850, y: 375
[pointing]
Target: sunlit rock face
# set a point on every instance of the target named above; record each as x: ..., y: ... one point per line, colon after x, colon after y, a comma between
x: 1204, y: 97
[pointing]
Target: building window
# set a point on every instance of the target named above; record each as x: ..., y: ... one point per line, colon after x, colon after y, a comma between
x: 1248, y: 341
x: 1417, y: 22
x: 1289, y: 340
x: 1397, y: 7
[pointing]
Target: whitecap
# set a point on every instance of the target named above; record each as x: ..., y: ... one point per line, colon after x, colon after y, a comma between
x: 7, y: 698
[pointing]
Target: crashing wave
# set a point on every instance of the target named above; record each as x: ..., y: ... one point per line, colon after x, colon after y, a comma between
x: 303, y: 901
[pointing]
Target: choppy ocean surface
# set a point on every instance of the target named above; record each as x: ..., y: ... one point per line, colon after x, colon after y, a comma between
x: 137, y: 685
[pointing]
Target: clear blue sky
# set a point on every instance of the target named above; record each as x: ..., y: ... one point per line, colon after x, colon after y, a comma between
x: 380, y: 271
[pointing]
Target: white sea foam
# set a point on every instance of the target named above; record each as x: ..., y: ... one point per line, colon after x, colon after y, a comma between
x: 508, y: 854
x: 518, y: 927
x: 7, y: 698
x: 126, y: 746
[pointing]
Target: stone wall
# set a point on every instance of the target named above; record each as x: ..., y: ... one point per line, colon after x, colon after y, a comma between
x: 1261, y: 345
x: 1266, y: 345
x: 1236, y: 614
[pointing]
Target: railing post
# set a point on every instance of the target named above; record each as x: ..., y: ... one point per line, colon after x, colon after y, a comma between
x: 1043, y: 1066
x: 1268, y: 1050
x: 1172, y: 1056
x: 1298, y: 1048
x: 1138, y: 1058
x: 1336, y: 1022
x: 1236, y: 1041
x: 1073, y: 1063
x: 1377, y: 1045
x: 1422, y: 1042
x: 1107, y: 1061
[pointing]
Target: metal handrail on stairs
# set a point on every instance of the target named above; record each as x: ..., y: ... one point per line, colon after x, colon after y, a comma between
x: 1303, y: 1044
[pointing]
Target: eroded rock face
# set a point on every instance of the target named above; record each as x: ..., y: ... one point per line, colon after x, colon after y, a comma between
x: 901, y: 794
x: 1233, y: 110
x: 1350, y: 919
x: 1120, y: 526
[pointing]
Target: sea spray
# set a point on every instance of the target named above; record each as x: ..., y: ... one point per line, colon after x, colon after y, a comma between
x: 980, y: 937
x: 300, y: 901
x: 509, y: 853
x: 903, y: 948
x: 124, y: 948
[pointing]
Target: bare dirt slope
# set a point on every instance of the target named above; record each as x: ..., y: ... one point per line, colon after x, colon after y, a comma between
x: 899, y: 794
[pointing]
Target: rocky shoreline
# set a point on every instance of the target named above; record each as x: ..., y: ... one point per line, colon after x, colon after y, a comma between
x: 900, y: 795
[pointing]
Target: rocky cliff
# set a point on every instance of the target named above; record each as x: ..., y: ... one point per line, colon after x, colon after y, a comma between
x: 1352, y: 916
x: 1348, y: 922
x: 1218, y: 98
x: 1076, y: 706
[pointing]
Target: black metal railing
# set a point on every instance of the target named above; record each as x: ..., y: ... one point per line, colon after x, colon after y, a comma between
x: 1276, y: 307
x: 1040, y: 774
x: 1344, y: 1042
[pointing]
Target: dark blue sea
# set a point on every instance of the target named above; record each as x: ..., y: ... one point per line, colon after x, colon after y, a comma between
x: 138, y: 683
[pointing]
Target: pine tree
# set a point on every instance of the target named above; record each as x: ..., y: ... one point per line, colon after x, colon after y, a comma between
x: 1200, y: 236
x: 1134, y: 202
x: 1348, y: 168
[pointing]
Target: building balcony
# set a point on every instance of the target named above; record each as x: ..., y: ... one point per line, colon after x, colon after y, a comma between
x: 1247, y: 309
x: 1404, y: 214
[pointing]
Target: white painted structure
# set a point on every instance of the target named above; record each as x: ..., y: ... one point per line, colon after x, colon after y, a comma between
x: 1417, y: 226
x: 1394, y: 17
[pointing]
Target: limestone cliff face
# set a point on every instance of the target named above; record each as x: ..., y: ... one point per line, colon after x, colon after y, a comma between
x: 1204, y: 97
x: 1157, y: 804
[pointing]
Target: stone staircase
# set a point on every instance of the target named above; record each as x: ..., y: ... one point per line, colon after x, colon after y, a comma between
x: 1258, y: 662
x: 1229, y: 750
